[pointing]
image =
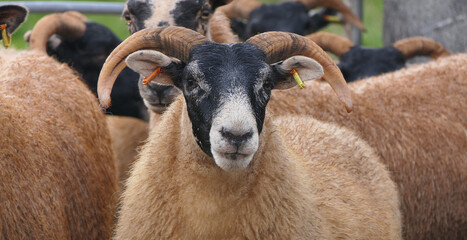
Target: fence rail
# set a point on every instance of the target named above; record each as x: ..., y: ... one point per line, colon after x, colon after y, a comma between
x: 62, y: 6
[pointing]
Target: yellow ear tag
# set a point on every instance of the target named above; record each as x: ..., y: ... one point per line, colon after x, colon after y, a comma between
x: 331, y: 18
x: 297, y: 78
x: 6, y: 39
x: 151, y: 77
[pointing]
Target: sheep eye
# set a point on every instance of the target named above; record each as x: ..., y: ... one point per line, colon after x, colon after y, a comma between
x: 191, y: 84
x: 205, y: 14
x: 127, y: 18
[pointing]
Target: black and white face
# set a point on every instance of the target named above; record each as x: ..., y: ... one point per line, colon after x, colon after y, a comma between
x: 192, y: 14
x: 226, y: 89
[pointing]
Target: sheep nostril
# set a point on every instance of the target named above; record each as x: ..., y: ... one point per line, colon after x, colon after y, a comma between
x: 236, y: 138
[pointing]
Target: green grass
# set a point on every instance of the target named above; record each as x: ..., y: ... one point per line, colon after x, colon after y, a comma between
x: 372, y: 18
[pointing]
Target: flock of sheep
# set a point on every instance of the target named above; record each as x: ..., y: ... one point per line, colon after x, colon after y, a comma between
x: 214, y: 147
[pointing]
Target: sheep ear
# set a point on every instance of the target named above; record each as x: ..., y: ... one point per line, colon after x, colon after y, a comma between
x: 145, y: 62
x: 12, y: 16
x: 307, y: 68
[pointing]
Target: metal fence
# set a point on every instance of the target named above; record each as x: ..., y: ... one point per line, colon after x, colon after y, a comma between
x: 62, y: 6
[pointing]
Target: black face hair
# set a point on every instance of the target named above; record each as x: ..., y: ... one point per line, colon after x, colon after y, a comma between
x: 87, y: 55
x: 188, y: 13
x: 215, y: 71
x: 137, y: 12
x: 360, y: 62
x: 285, y: 16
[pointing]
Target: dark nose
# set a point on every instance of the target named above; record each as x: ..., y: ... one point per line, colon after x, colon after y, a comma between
x: 236, y: 138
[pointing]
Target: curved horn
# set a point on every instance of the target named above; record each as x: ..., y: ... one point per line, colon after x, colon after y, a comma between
x: 337, y: 5
x: 420, y: 46
x: 280, y: 45
x: 219, y: 24
x: 333, y: 43
x: 173, y: 41
x: 69, y: 25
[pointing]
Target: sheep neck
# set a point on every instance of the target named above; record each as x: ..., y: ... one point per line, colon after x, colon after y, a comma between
x: 271, y: 186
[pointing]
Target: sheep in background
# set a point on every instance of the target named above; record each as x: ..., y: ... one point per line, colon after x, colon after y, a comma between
x: 84, y: 45
x: 289, y: 16
x: 415, y: 120
x: 127, y: 135
x: 58, y: 177
x: 358, y: 62
x: 207, y: 173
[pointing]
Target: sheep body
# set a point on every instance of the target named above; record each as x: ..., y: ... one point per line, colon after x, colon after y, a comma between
x: 416, y: 121
x: 57, y: 173
x: 176, y: 191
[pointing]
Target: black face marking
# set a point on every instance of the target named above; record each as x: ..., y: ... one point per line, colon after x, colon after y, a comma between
x: 285, y: 16
x: 360, y: 62
x: 138, y: 12
x: 188, y: 13
x: 163, y: 24
x: 220, y: 70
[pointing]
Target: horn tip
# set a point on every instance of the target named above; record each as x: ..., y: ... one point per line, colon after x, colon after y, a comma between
x: 104, y: 98
x: 348, y: 103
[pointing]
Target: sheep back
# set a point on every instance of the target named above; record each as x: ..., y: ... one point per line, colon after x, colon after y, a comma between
x: 57, y: 172
x: 416, y: 121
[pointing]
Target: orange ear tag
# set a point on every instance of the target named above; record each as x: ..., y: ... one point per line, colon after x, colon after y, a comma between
x: 297, y: 78
x: 151, y: 77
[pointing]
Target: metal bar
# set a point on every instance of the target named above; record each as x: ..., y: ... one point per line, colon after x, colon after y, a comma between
x: 62, y: 6
x: 357, y: 8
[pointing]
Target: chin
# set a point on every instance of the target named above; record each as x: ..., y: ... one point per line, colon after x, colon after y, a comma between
x: 232, y: 162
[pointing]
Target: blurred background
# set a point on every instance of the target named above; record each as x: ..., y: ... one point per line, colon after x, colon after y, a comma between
x: 372, y: 18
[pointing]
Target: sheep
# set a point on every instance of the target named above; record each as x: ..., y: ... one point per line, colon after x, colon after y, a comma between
x: 284, y: 16
x: 357, y: 62
x: 207, y: 173
x: 415, y: 120
x: 57, y: 176
x: 127, y: 135
x: 84, y: 45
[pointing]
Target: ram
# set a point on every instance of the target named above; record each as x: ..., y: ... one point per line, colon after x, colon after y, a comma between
x: 357, y: 62
x: 58, y: 177
x: 207, y: 173
x: 414, y: 119
x: 84, y: 45
x: 291, y: 16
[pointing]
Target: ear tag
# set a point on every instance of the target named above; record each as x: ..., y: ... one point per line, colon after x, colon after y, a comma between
x: 297, y: 78
x: 331, y: 18
x: 151, y: 77
x: 6, y: 39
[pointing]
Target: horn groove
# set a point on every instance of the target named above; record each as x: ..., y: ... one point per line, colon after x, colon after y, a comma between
x: 337, y: 5
x: 420, y: 46
x: 69, y: 25
x: 333, y: 43
x: 280, y: 45
x: 173, y: 41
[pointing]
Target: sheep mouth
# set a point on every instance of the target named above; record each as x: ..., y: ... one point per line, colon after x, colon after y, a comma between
x: 159, y: 108
x: 234, y: 156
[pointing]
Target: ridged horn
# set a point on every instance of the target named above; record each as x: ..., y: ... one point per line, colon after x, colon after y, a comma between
x: 280, y: 45
x: 337, y: 5
x: 333, y: 43
x: 69, y: 25
x: 219, y: 24
x: 420, y: 46
x: 173, y: 41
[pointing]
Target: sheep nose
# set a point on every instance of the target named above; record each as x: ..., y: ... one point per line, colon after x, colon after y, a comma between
x: 236, y: 138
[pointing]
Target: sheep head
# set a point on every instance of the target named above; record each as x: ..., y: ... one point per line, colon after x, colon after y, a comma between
x: 226, y: 87
x: 284, y: 16
x: 192, y: 14
x: 12, y: 16
x: 358, y: 62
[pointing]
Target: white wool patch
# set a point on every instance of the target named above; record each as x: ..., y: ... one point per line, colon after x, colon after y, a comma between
x: 235, y: 116
x: 161, y: 13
